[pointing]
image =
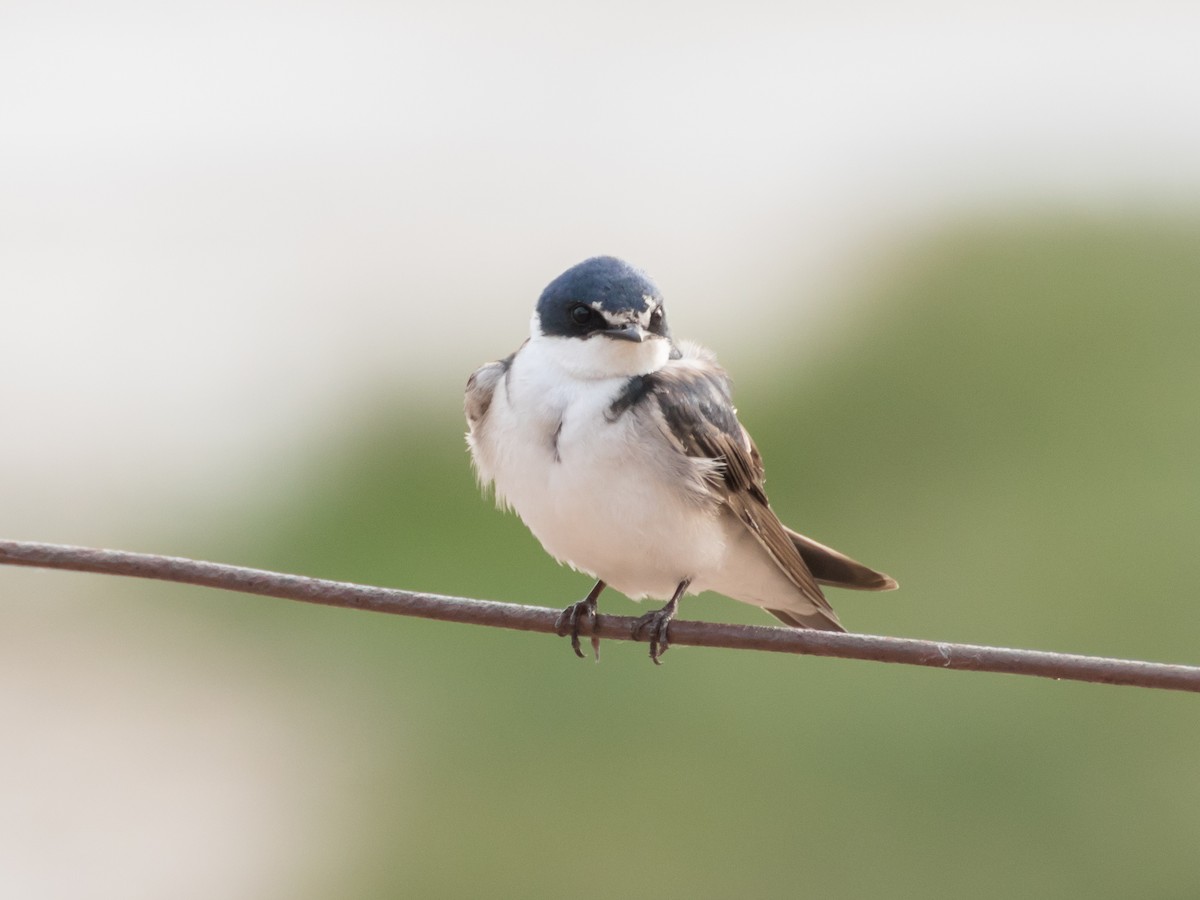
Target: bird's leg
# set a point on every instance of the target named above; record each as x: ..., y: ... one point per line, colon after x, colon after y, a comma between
x: 658, y: 621
x: 569, y: 619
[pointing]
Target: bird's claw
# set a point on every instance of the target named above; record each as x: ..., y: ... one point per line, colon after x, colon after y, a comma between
x: 569, y: 621
x: 657, y: 623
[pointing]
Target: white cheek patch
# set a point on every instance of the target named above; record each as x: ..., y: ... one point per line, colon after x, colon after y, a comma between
x: 626, y: 317
x: 616, y: 320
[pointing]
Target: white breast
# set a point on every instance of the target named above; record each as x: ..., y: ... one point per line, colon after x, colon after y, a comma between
x: 603, y: 496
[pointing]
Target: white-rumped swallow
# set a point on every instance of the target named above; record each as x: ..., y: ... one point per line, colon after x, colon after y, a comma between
x: 622, y: 452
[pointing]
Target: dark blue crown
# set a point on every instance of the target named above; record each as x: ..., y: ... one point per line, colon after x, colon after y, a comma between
x: 602, y: 282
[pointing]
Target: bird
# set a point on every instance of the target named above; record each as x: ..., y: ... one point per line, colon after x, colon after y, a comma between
x: 621, y: 451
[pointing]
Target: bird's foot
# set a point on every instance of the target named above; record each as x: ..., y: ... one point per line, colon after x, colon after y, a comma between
x: 656, y: 623
x: 574, y: 615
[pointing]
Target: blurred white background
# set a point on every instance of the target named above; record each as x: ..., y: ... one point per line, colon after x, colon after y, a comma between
x: 218, y: 222
x: 221, y: 223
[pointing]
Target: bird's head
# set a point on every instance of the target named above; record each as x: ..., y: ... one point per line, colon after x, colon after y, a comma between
x: 603, y: 319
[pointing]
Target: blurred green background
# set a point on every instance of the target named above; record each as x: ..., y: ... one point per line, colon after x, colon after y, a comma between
x: 1009, y: 427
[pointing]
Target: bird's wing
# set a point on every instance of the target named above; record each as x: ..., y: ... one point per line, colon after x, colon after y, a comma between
x: 481, y: 388
x: 695, y: 399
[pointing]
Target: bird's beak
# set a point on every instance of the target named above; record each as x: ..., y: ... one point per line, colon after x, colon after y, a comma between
x: 631, y: 332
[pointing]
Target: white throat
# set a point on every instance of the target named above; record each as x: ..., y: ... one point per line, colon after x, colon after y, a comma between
x: 599, y: 357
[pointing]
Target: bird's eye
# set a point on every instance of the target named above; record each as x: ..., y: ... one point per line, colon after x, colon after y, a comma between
x: 656, y: 318
x: 581, y: 314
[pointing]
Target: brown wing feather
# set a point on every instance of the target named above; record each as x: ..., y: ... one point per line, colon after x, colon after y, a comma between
x: 754, y: 511
x: 838, y: 570
x: 481, y: 387
x: 696, y: 405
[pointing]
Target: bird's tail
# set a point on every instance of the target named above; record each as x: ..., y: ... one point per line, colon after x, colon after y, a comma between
x: 821, y: 619
x: 838, y: 570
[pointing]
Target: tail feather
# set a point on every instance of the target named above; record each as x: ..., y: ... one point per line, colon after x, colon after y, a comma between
x: 838, y: 570
x: 820, y: 619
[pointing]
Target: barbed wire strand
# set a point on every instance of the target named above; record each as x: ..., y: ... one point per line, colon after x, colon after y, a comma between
x: 906, y: 651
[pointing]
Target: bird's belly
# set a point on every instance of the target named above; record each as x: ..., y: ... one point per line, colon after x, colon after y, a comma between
x: 599, y: 501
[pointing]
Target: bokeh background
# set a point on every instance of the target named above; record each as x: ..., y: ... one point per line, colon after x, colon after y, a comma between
x: 249, y: 253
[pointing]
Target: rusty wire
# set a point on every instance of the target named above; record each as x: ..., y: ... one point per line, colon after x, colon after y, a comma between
x: 907, y: 651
